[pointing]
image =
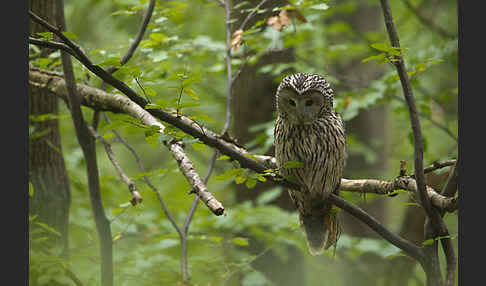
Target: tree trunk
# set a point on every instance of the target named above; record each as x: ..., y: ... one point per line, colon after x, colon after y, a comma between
x: 252, y: 90
x: 47, y: 170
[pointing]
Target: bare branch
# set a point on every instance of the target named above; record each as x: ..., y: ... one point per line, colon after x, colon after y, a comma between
x: 387, y: 187
x: 409, y: 248
x: 51, y: 45
x: 164, y: 207
x: 427, y: 21
x: 138, y: 38
x: 251, y: 14
x: 136, y: 197
x: 431, y: 120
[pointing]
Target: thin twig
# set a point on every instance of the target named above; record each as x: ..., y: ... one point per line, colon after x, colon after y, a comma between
x: 147, y: 180
x: 138, y: 38
x: 427, y: 21
x: 430, y: 119
x: 409, y: 248
x: 189, y: 216
x: 251, y: 14
x: 136, y: 197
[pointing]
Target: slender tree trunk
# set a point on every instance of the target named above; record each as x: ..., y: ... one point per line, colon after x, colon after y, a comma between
x: 252, y: 90
x: 47, y: 170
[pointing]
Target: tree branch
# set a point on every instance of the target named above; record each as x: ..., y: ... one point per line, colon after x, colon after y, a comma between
x: 408, y: 94
x: 147, y: 180
x: 138, y: 38
x: 95, y: 97
x: 98, y: 98
x: 136, y: 197
x: 405, y: 183
x: 427, y: 21
x: 409, y: 248
x: 436, y: 226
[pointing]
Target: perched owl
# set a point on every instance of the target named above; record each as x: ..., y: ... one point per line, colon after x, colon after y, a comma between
x: 308, y: 130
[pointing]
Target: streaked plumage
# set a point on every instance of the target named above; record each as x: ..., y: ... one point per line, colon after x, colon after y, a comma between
x: 308, y: 130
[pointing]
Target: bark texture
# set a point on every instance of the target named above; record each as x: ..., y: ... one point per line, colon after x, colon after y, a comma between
x: 47, y: 170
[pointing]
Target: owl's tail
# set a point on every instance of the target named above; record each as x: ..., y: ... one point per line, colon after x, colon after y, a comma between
x: 317, y: 227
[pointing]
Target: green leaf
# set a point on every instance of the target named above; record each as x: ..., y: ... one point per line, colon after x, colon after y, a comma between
x: 255, y: 278
x: 48, y: 228
x: 158, y: 37
x: 223, y: 157
x: 70, y: 35
x: 198, y: 146
x: 319, y: 7
x: 250, y: 183
x: 292, y: 165
x: 150, y: 92
x: 158, y: 56
x: 111, y: 61
x: 228, y: 174
x: 411, y: 204
x: 152, y: 138
x: 240, y: 241
x: 31, y: 189
x: 383, y: 47
x: 431, y: 240
x: 420, y: 67
x: 269, y: 196
x: 240, y: 178
x: 372, y: 58
x: 261, y: 177
x: 46, y: 36
x: 428, y: 241
x: 240, y: 4
x: 191, y: 93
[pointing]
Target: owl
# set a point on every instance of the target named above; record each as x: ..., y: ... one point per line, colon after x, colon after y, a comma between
x: 309, y: 131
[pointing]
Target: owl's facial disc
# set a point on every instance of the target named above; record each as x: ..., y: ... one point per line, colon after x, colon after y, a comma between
x: 300, y: 109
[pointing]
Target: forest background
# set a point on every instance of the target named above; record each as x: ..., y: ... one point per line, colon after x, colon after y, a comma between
x: 181, y: 64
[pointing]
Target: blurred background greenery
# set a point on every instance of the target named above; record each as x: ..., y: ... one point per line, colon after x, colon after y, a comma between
x: 258, y: 242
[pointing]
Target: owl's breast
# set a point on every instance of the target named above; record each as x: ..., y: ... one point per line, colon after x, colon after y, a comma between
x: 320, y: 147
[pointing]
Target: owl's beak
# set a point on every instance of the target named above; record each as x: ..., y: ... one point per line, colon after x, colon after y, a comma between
x: 304, y: 119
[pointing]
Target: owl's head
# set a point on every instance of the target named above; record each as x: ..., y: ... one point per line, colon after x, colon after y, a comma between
x: 302, y: 97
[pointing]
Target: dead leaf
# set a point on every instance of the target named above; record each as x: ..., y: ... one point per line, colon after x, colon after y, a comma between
x: 347, y: 102
x: 237, y: 39
x: 280, y: 21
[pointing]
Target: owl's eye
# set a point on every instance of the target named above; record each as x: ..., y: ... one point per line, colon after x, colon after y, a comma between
x: 309, y: 102
x: 292, y: 102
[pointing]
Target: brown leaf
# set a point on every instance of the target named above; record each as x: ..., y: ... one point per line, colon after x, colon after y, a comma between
x: 347, y: 102
x: 280, y: 21
x: 237, y: 39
